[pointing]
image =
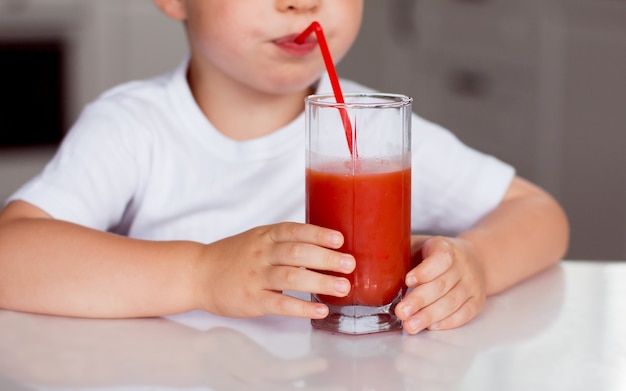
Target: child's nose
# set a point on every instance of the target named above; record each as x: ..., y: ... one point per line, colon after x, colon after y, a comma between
x: 297, y: 5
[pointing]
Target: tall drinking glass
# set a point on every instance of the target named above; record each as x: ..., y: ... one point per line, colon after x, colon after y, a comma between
x: 358, y: 181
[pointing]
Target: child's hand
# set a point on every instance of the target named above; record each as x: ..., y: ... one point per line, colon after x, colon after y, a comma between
x: 448, y: 285
x: 244, y: 275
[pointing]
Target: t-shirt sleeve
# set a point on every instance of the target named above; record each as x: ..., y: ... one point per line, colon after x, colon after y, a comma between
x: 93, y: 176
x: 453, y: 185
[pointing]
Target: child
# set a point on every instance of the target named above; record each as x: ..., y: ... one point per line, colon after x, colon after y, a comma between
x: 187, y: 191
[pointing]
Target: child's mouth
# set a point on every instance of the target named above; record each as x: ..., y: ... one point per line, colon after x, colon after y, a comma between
x: 289, y: 45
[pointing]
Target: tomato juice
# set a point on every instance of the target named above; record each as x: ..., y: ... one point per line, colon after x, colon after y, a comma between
x: 371, y: 207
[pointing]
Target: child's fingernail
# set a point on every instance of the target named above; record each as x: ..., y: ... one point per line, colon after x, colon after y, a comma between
x: 335, y: 238
x: 322, y: 310
x: 414, y: 325
x: 434, y: 326
x: 411, y: 280
x: 342, y: 286
x: 407, y: 310
x: 347, y: 264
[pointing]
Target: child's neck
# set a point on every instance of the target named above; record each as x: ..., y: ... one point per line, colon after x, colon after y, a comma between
x: 241, y: 113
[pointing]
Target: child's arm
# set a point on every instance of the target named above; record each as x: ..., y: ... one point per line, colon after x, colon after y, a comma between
x: 526, y: 233
x: 54, y: 267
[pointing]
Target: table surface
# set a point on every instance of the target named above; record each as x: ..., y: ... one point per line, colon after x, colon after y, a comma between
x: 564, y: 329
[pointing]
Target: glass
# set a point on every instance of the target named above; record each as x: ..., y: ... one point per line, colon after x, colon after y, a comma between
x: 366, y: 195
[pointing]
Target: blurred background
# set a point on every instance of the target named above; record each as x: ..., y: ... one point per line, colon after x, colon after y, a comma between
x: 538, y: 83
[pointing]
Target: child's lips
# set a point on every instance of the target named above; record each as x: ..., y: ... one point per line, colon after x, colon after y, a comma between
x: 288, y: 44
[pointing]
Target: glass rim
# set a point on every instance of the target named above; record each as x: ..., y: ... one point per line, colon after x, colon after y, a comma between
x: 387, y: 100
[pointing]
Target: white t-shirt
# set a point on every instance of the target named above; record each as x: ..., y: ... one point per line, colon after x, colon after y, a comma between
x: 143, y: 161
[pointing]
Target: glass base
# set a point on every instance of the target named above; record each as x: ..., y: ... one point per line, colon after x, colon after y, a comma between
x: 358, y: 319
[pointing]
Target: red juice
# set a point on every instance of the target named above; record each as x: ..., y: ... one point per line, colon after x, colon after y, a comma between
x: 372, y: 208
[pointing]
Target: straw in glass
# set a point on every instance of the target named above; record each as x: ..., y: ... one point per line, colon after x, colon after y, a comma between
x: 332, y: 74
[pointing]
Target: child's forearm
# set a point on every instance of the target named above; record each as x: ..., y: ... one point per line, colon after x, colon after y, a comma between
x: 54, y: 267
x: 525, y: 234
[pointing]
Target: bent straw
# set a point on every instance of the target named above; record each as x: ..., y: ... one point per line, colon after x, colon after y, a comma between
x: 332, y: 74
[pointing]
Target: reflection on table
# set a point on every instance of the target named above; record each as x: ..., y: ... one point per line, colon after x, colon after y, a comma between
x: 563, y: 329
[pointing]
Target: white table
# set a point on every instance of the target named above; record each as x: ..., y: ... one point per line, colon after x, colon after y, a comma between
x: 564, y: 329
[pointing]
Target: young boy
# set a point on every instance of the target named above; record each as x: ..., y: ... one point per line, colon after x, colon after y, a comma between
x: 187, y: 191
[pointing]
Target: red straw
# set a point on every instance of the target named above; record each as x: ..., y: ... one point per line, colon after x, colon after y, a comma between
x: 332, y: 74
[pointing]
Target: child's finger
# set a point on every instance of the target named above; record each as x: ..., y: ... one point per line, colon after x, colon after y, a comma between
x: 307, y: 233
x: 437, y: 311
x: 438, y: 256
x: 426, y: 294
x: 467, y: 311
x: 275, y: 303
x: 285, y: 278
x: 312, y: 257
